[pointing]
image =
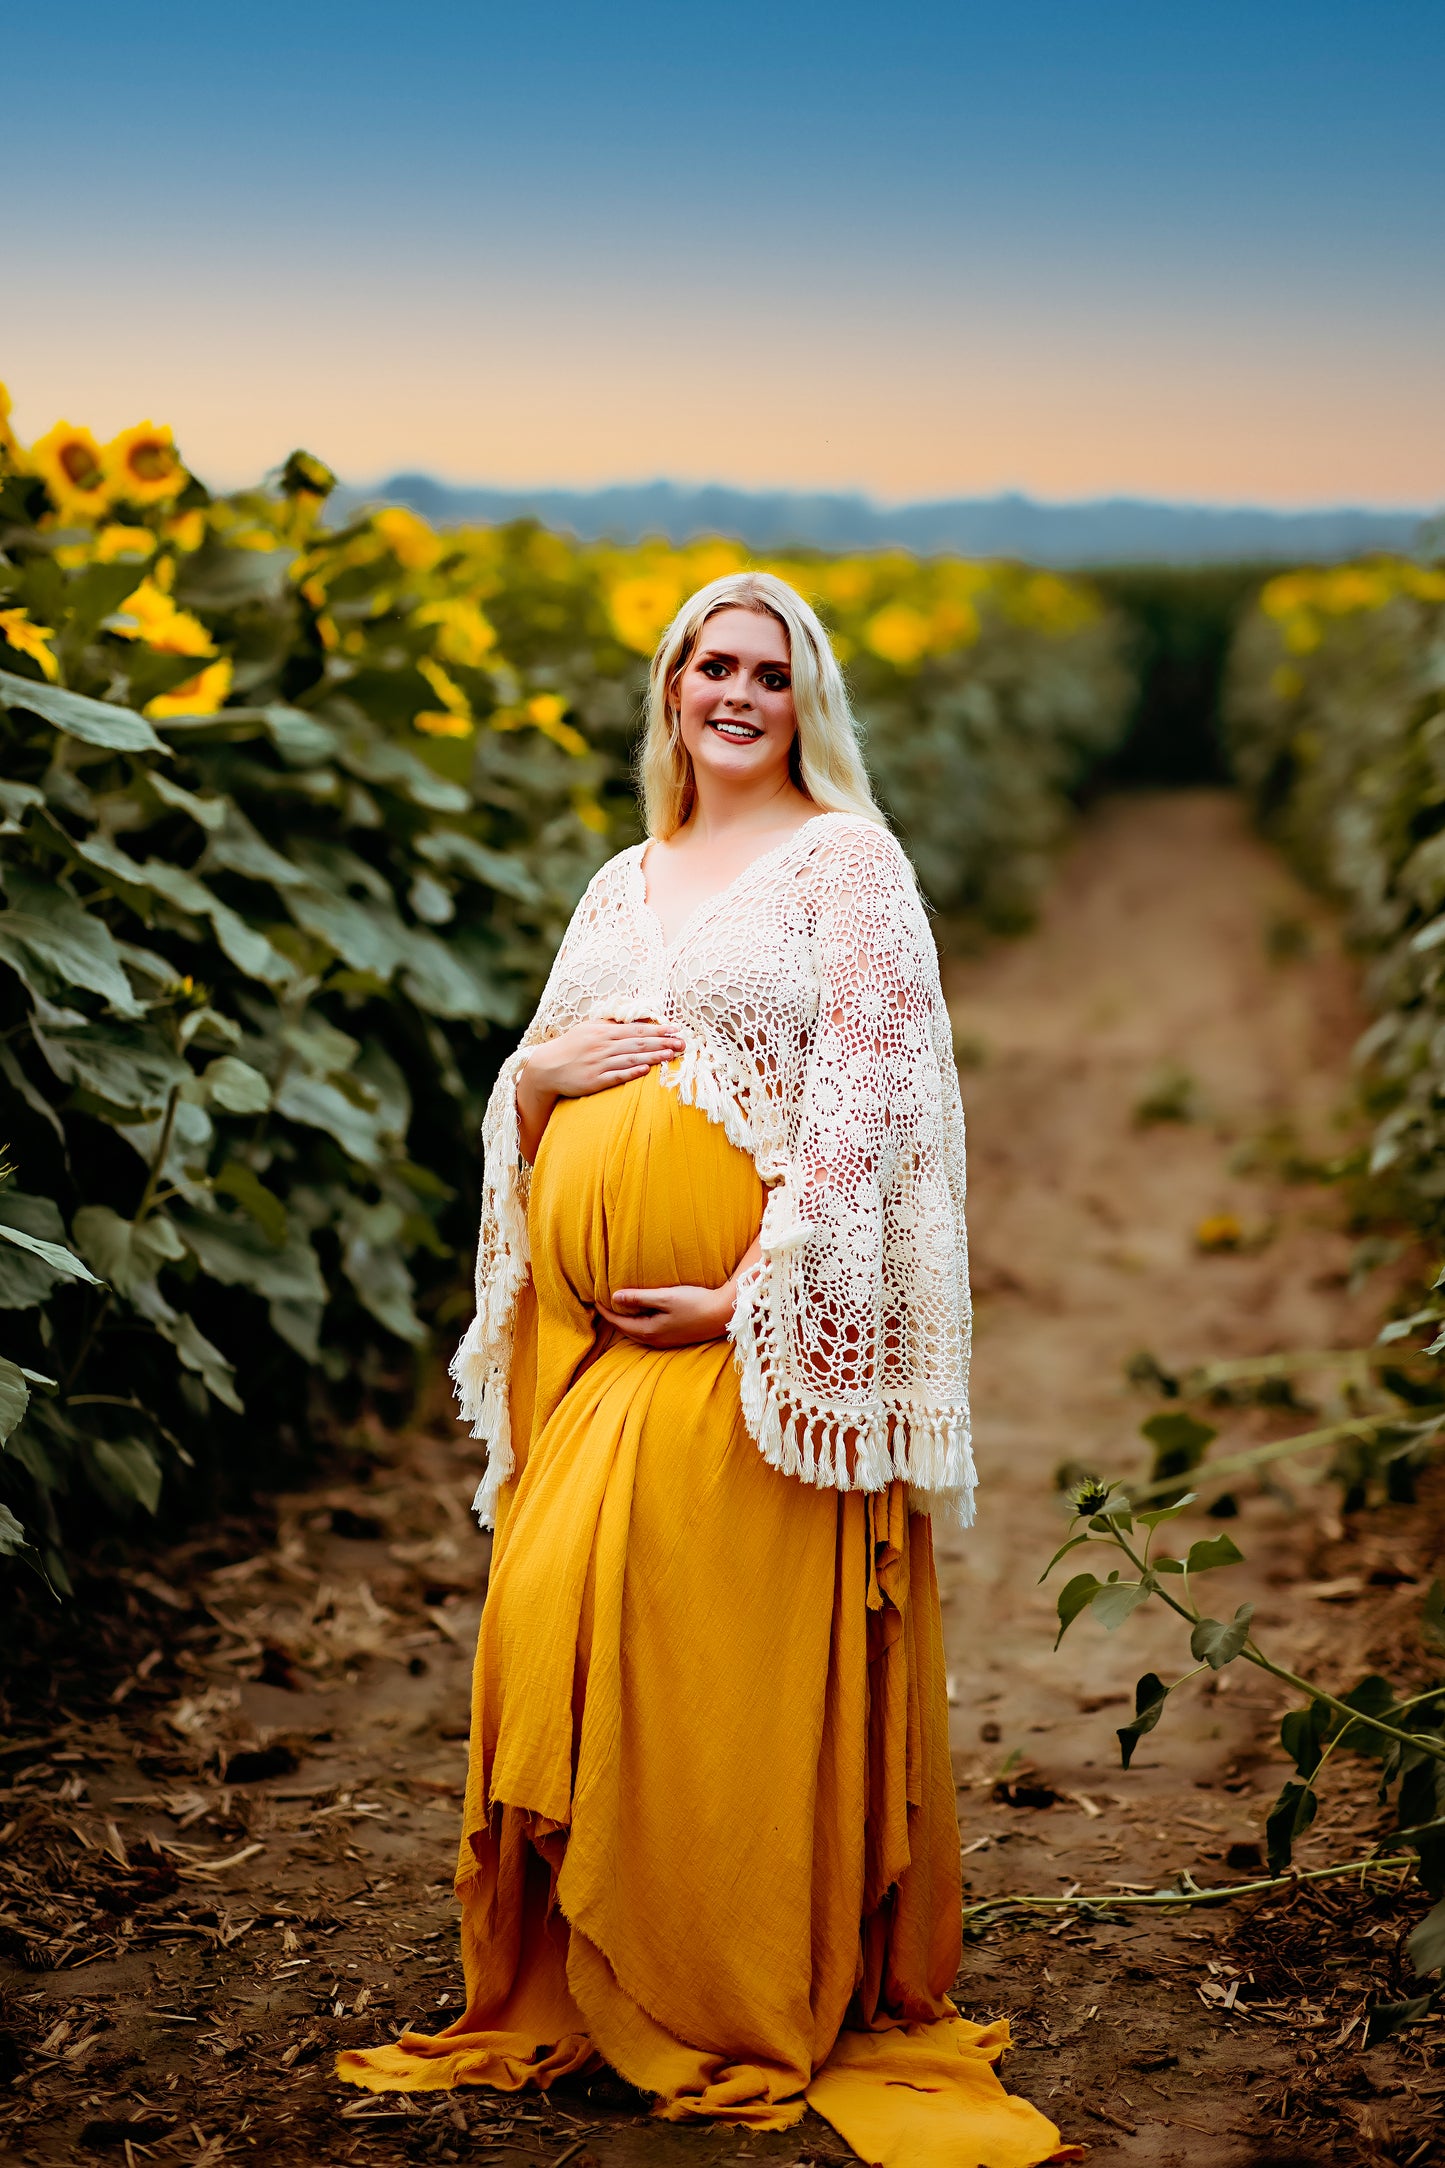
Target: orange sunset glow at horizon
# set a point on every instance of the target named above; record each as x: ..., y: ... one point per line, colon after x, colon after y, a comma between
x: 947, y: 428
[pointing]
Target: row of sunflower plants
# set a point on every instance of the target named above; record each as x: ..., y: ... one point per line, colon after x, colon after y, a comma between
x: 293, y: 815
x: 1335, y: 714
x: 288, y: 840
x: 1335, y: 723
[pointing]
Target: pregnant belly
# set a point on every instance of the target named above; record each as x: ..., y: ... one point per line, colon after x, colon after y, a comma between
x: 632, y: 1188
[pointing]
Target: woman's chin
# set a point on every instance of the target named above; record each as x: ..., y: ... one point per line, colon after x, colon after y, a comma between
x: 734, y: 764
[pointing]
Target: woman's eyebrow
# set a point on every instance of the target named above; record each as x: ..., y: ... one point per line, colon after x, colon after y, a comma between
x: 722, y: 654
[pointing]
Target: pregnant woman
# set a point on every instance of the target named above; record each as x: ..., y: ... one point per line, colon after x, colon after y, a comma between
x: 720, y: 1360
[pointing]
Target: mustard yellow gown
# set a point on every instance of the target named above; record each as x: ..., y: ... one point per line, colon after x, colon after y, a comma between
x: 709, y: 1835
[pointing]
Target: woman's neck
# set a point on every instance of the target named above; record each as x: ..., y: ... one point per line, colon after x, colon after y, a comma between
x: 718, y: 817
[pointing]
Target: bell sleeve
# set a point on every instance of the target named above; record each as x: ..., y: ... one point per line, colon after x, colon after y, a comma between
x: 852, y: 1332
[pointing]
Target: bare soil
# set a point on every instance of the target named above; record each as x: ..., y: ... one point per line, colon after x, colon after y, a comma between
x: 231, y: 1774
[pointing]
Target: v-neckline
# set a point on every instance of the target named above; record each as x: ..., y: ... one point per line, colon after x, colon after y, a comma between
x: 706, y: 904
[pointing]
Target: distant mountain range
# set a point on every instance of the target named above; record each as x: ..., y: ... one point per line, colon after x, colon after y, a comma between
x: 1104, y: 531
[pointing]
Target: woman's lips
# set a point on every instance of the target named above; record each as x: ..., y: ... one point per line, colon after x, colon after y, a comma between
x: 736, y: 733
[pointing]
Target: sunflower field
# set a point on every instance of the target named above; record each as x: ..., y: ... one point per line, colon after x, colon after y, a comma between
x: 292, y: 817
x: 1335, y: 714
x: 272, y: 896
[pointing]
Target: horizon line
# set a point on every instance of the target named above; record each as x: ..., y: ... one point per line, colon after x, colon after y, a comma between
x: 857, y: 495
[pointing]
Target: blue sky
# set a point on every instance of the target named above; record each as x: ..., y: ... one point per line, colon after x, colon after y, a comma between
x: 1177, y: 250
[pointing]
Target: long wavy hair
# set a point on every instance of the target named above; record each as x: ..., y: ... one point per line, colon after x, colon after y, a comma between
x: 825, y: 761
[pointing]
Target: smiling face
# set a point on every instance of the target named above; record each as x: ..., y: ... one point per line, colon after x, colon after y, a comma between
x: 734, y: 702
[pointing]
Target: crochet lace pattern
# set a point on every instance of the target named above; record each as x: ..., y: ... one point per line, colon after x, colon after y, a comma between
x: 809, y: 1000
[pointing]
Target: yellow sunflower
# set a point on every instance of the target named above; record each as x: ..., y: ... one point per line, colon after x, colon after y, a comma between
x: 437, y: 723
x: 463, y: 634
x: 409, y: 539
x: 589, y: 812
x: 187, y: 530
x: 201, y: 695
x: 545, y: 711
x: 1219, y: 1231
x: 150, y: 615
x: 898, y: 633
x: 29, y: 639
x: 109, y: 545
x: 446, y: 688
x: 143, y: 466
x: 115, y: 543
x: 642, y: 606
x: 72, y: 467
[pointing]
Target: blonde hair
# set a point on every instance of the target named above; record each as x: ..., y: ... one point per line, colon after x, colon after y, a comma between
x: 825, y: 762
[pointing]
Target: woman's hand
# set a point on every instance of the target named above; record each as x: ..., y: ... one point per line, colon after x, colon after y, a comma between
x: 591, y: 1057
x: 677, y: 1316
x: 671, y: 1316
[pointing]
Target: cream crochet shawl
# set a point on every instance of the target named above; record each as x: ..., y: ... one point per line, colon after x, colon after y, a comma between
x: 816, y: 1036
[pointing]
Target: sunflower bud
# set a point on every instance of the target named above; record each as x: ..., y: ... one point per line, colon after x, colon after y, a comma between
x: 1090, y: 1496
x: 304, y: 475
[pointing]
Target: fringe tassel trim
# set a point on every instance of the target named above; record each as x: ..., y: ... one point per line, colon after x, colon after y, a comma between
x: 481, y: 1369
x: 927, y: 1446
x: 698, y: 1084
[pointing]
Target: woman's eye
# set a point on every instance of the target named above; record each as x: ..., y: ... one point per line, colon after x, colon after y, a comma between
x: 713, y: 669
x: 773, y: 681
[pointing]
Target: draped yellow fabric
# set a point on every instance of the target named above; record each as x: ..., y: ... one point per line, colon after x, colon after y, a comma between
x: 709, y: 1835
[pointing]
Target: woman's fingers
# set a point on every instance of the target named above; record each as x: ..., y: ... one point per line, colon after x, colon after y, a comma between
x: 664, y: 1317
x: 632, y: 1324
x: 635, y: 1309
x: 626, y: 1066
x: 627, y: 1051
x: 639, y: 1043
x: 602, y: 1053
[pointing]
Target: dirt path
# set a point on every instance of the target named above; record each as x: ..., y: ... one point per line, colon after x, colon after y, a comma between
x: 1150, y: 980
x: 229, y: 1808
